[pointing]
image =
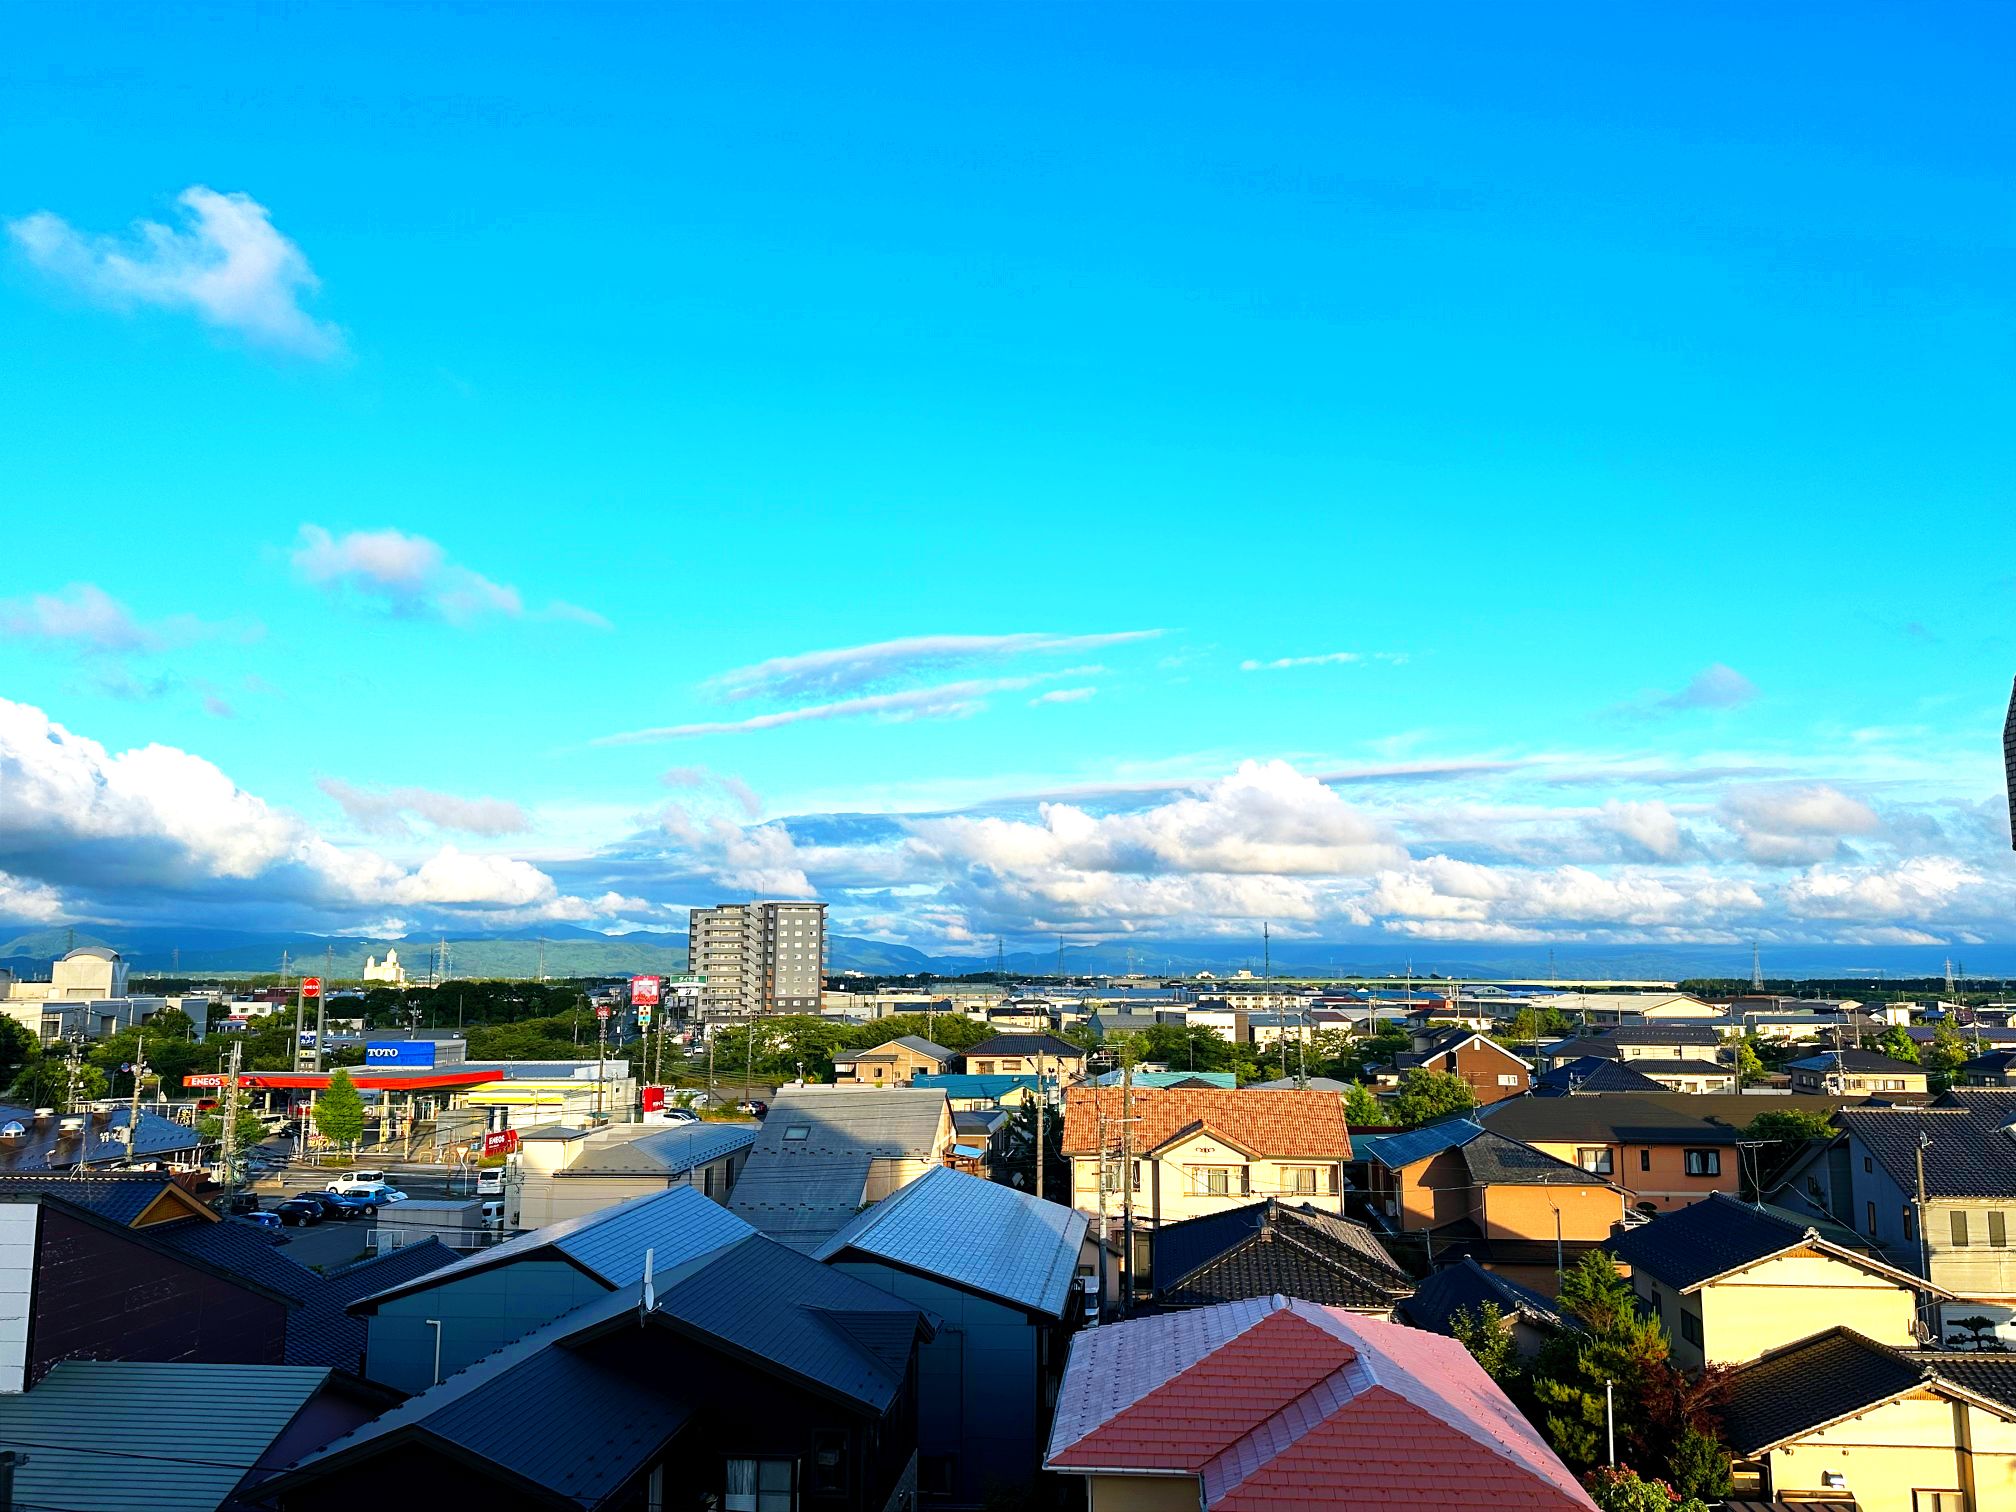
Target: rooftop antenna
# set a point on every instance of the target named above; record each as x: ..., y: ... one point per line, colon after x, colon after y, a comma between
x: 1756, y: 968
x: 650, y: 1294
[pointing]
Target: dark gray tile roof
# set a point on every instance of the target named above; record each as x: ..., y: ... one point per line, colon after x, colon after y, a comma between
x: 1397, y: 1150
x: 1817, y: 1381
x: 1968, y: 1153
x: 240, y: 1249
x: 1624, y: 1117
x: 975, y: 1234
x: 915, y: 1043
x: 1263, y: 1248
x: 1865, y: 1061
x: 1720, y: 1234
x: 1024, y: 1044
x: 1591, y: 1074
x: 106, y: 1434
x: 117, y: 1196
x: 1989, y: 1375
x: 1494, y: 1160
x: 1467, y: 1285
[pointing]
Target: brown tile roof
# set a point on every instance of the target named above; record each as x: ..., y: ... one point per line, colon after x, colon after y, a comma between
x: 1293, y: 1124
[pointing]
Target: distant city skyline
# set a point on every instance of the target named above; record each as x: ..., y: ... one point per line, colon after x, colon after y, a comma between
x: 1448, y: 475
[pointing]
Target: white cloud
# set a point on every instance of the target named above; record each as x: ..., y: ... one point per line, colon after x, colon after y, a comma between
x: 226, y: 263
x: 84, y: 618
x: 1795, y: 826
x: 1440, y: 888
x: 702, y: 779
x: 1713, y: 687
x: 946, y: 701
x: 1282, y: 663
x: 1651, y: 826
x: 1920, y: 888
x: 384, y: 812
x: 30, y: 902
x: 1062, y: 696
x: 412, y: 577
x: 157, y: 823
x: 852, y: 668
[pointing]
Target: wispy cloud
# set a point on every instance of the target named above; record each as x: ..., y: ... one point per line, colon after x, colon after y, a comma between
x: 1713, y: 687
x: 412, y: 577
x: 700, y: 779
x: 84, y: 617
x: 851, y: 669
x: 226, y: 262
x: 385, y: 811
x: 945, y: 701
x: 1062, y: 696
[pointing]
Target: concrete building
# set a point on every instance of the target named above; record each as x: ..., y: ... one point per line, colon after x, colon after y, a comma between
x: 387, y: 970
x: 758, y: 957
x: 86, y: 996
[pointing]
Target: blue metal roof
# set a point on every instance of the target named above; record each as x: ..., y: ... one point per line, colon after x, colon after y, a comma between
x: 101, y: 1430
x: 677, y: 1225
x: 1227, y: 1080
x: 976, y: 1234
x: 1396, y: 1150
x: 969, y: 1084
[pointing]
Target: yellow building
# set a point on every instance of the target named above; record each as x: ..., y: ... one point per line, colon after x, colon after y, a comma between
x: 1842, y: 1419
x: 1733, y: 1280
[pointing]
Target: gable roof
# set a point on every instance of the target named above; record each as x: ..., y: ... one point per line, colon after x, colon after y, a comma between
x: 967, y: 1085
x: 1395, y: 1151
x: 1864, y: 1061
x: 1282, y: 1125
x: 1467, y: 1285
x: 1969, y: 1151
x: 95, y: 1424
x: 1026, y: 1044
x: 807, y: 1173
x: 323, y: 1331
x: 122, y: 1197
x: 1590, y: 1074
x: 1225, y: 1080
x: 1797, y: 1390
x: 1619, y: 1118
x: 1275, y: 1401
x: 1260, y: 1248
x: 975, y: 1234
x: 677, y: 1225
x: 670, y: 1151
x: 1693, y: 1245
x: 916, y: 1044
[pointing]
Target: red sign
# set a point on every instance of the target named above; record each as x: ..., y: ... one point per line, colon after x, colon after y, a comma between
x: 654, y: 1099
x: 311, y: 987
x: 644, y: 991
x: 502, y: 1142
x: 602, y: 1012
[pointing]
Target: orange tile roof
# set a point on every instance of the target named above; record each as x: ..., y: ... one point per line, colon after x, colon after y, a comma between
x: 1289, y: 1123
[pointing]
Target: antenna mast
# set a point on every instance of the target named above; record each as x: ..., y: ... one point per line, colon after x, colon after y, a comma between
x: 1756, y: 968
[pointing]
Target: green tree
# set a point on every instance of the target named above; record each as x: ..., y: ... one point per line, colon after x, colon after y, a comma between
x: 1750, y: 1061
x: 339, y: 1111
x: 1594, y: 1291
x: 1020, y: 1165
x: 1699, y: 1466
x: 1943, y: 1056
x: 1616, y: 1347
x: 45, y: 1082
x: 17, y: 1048
x: 1896, y: 1043
x: 1487, y: 1333
x: 1184, y: 1047
x: 1620, y: 1490
x: 1432, y: 1094
x: 1789, y: 1126
x: 1532, y: 1025
x: 1362, y: 1109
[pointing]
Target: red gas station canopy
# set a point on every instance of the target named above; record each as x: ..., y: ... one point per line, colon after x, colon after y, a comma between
x: 461, y: 1077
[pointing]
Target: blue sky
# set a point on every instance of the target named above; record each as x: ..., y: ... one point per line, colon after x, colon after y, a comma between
x: 1429, y: 473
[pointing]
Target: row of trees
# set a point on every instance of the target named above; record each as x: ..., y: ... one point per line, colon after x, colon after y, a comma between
x: 1613, y: 1372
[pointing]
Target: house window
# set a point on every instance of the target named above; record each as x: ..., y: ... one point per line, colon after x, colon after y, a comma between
x: 934, y: 1474
x: 1704, y: 1162
x: 707, y: 1182
x: 1938, y: 1501
x: 798, y: 1132
x: 1219, y: 1181
x: 1690, y: 1327
x: 1594, y: 1159
x: 1508, y: 1081
x: 765, y: 1485
x: 1300, y: 1181
x: 829, y: 1463
x: 1867, y: 1165
x: 1910, y: 1225
x: 1998, y: 1232
x: 1644, y: 1160
x: 1870, y: 1215
x: 1959, y: 1229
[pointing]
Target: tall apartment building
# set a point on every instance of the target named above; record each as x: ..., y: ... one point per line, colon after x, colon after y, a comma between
x: 759, y: 957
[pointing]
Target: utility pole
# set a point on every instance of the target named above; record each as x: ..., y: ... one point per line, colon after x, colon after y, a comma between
x: 1925, y: 1303
x: 300, y: 1010
x: 133, y: 1107
x: 322, y: 1004
x: 231, y: 1118
x: 601, y: 1058
x: 1126, y: 1184
x: 1040, y: 1099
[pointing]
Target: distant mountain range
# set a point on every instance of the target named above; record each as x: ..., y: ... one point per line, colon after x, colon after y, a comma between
x: 571, y: 951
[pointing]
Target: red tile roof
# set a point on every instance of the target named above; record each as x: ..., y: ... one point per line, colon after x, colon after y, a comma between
x: 1274, y: 1402
x: 1287, y: 1124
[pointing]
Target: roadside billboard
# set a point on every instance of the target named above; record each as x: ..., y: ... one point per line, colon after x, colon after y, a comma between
x: 645, y: 990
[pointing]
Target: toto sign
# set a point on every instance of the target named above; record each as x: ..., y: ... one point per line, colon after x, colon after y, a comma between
x: 400, y: 1053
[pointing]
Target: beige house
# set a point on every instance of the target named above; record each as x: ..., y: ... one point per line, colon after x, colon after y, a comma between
x: 1027, y: 1055
x: 1187, y: 1153
x: 1843, y: 1420
x: 564, y: 1172
x: 1733, y: 1280
x: 1855, y: 1073
x: 894, y: 1064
